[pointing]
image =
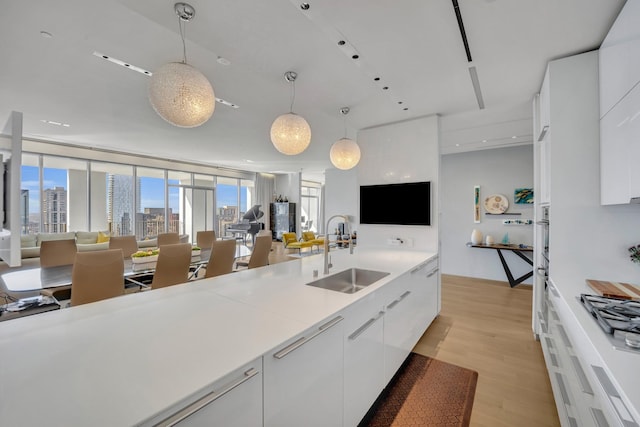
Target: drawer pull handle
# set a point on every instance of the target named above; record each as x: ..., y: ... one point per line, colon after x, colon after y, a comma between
x: 403, y: 296
x: 204, y: 401
x: 434, y: 271
x: 303, y: 340
x: 564, y: 336
x: 563, y: 389
x: 614, y: 397
x: 366, y: 326
x: 584, y: 382
x: 599, y: 417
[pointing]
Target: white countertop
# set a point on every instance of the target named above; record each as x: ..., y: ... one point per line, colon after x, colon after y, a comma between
x: 123, y: 360
x: 622, y: 366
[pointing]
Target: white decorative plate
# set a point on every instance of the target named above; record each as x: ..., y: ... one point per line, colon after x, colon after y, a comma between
x: 496, y: 204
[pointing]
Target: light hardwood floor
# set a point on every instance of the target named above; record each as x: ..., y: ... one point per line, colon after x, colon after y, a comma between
x: 486, y: 326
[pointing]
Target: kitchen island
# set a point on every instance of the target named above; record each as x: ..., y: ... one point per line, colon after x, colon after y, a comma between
x: 142, y: 358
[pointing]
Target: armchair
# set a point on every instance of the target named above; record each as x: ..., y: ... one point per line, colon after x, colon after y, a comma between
x: 290, y: 241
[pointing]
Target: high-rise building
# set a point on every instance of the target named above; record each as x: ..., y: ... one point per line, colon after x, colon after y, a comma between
x: 120, y: 196
x: 54, y: 208
x: 24, y: 211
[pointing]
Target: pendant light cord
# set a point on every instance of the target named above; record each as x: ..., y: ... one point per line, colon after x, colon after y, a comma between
x: 293, y: 95
x: 183, y: 31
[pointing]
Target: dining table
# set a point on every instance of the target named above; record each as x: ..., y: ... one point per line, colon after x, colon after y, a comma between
x: 38, y: 278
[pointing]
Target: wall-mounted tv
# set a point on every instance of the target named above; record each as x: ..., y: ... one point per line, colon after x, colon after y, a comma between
x: 396, y: 204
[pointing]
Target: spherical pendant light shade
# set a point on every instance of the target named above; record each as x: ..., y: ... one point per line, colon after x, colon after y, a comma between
x: 345, y: 154
x: 290, y: 134
x: 181, y: 95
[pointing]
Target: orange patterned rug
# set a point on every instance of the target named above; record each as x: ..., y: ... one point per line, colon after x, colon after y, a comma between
x: 427, y: 393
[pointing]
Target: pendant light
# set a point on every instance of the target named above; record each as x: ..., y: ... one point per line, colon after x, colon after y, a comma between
x: 290, y: 133
x: 345, y: 153
x: 178, y: 92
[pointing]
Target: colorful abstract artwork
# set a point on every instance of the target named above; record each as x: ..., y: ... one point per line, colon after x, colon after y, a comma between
x: 476, y: 204
x: 523, y: 196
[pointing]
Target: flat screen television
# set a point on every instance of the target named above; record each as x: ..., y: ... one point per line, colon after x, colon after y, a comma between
x: 396, y: 204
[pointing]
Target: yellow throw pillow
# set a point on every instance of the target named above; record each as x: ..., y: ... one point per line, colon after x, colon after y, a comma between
x: 102, y: 237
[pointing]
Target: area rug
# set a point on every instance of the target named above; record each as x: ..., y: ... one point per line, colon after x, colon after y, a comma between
x: 425, y: 392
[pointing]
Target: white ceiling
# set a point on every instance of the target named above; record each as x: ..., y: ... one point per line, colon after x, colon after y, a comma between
x: 414, y: 46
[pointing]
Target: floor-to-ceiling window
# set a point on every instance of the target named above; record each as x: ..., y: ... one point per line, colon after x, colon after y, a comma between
x: 61, y: 194
x: 227, y: 203
x: 30, y: 194
x: 151, y: 216
x: 112, y: 198
x: 310, y: 206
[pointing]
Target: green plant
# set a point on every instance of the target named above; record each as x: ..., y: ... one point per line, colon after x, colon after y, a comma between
x: 635, y: 253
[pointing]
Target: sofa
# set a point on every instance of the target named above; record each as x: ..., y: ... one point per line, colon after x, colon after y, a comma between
x: 85, y: 241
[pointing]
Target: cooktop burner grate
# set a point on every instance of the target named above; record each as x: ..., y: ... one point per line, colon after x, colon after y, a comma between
x: 617, y: 317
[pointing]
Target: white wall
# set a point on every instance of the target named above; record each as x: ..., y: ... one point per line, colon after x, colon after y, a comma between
x: 341, y: 196
x: 497, y: 171
x: 401, y: 152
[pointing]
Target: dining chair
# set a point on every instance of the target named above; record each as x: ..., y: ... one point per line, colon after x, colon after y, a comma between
x: 223, y: 252
x: 97, y: 275
x: 205, y: 239
x: 57, y: 252
x: 172, y: 266
x: 259, y: 255
x: 168, y: 239
x: 128, y: 244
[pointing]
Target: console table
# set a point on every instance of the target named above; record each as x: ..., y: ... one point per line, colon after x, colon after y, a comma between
x: 516, y: 249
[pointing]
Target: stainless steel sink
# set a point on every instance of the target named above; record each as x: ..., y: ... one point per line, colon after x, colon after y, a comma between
x: 349, y: 281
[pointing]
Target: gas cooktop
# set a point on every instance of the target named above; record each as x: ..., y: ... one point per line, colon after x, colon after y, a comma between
x: 618, y: 318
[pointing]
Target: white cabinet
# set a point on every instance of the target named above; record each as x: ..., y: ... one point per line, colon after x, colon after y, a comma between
x: 303, y: 379
x: 584, y: 394
x: 543, y: 141
x: 619, y: 60
x: 363, y: 356
x: 425, y: 283
x: 620, y: 151
x: 619, y: 63
x: 234, y: 401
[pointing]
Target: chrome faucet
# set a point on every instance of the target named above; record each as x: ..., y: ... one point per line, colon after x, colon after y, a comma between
x: 326, y: 241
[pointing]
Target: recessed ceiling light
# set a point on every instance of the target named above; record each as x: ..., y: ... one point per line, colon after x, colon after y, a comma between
x: 46, y: 34
x: 355, y: 56
x: 385, y: 88
x: 399, y: 102
x: 484, y: 140
x: 304, y: 6
x: 249, y: 161
x: 51, y: 122
x: 405, y: 109
x: 227, y: 103
x: 122, y: 63
x: 376, y: 79
x: 341, y: 43
x: 457, y: 145
x: 513, y: 137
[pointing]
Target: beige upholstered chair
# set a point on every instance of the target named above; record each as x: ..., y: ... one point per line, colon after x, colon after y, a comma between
x: 223, y: 252
x: 57, y: 252
x: 205, y: 239
x: 128, y: 244
x: 97, y: 275
x: 168, y: 239
x: 172, y: 266
x: 259, y: 255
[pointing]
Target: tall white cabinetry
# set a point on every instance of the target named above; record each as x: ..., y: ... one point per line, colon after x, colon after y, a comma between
x: 581, y: 386
x: 620, y: 109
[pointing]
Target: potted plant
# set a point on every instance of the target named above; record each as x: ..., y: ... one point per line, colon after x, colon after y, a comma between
x: 149, y: 255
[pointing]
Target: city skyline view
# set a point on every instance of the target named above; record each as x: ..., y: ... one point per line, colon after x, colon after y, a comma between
x: 152, y: 197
